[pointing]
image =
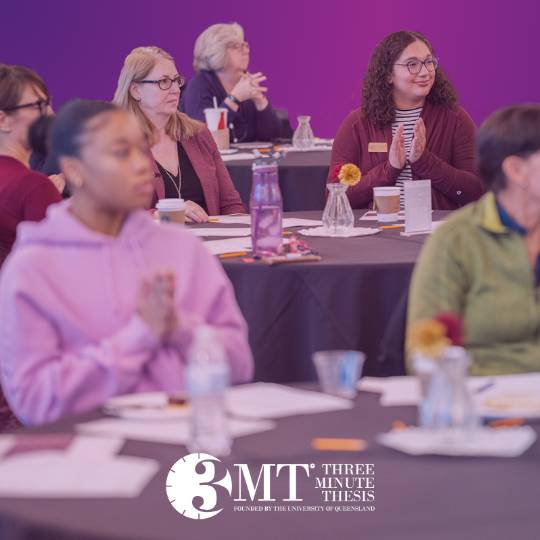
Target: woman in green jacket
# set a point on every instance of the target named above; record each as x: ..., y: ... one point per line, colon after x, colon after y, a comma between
x: 484, y: 262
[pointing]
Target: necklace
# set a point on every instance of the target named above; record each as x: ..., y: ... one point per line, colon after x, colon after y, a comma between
x: 171, y: 179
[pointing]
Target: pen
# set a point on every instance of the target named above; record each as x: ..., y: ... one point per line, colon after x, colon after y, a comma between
x: 485, y: 387
x: 338, y: 445
x: 232, y: 254
x: 391, y: 226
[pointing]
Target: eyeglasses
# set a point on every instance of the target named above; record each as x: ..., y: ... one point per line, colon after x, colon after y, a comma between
x: 239, y: 45
x: 415, y: 66
x: 41, y: 104
x: 166, y: 82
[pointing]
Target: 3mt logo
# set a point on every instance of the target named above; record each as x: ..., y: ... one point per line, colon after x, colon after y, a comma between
x: 195, y: 481
x: 191, y: 486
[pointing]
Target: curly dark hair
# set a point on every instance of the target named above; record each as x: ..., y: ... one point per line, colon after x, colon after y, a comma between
x: 377, y: 102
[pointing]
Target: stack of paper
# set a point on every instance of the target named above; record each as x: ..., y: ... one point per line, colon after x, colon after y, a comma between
x: 221, y: 231
x: 268, y: 400
x: 87, y: 467
x: 230, y: 245
x: 509, y: 442
x: 177, y: 431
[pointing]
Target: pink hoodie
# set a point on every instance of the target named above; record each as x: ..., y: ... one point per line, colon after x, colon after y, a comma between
x: 70, y: 336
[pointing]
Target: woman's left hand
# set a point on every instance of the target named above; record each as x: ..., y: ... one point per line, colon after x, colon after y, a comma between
x: 195, y: 213
x: 418, y: 144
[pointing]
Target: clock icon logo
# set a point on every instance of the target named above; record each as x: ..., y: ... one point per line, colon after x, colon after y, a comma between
x: 190, y: 486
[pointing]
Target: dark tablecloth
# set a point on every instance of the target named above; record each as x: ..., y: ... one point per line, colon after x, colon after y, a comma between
x: 342, y: 302
x: 416, y: 498
x: 302, y: 178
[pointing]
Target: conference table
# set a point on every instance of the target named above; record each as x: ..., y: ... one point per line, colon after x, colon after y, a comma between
x: 302, y: 179
x: 416, y: 498
x: 345, y: 301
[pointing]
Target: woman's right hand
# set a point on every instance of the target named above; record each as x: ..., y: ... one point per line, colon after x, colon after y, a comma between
x: 156, y: 304
x: 249, y: 87
x: 195, y: 213
x: 397, y: 155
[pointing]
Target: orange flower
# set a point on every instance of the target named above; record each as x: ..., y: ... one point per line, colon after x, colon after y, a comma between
x: 429, y: 338
x: 349, y: 174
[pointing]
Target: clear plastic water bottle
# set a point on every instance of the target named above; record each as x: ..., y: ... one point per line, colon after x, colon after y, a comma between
x: 207, y: 380
x: 303, y: 135
x: 266, y: 208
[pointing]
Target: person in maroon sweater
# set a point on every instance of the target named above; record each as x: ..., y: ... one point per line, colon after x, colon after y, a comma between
x: 409, y: 127
x: 24, y: 194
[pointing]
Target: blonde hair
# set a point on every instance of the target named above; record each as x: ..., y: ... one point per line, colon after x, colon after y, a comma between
x: 137, y: 65
x: 211, y: 46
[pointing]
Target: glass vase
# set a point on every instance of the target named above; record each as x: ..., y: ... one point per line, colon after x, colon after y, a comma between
x: 338, y: 217
x: 303, y: 135
x: 446, y: 401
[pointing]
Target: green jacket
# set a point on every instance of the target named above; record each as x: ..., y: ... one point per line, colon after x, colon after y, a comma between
x: 476, y: 267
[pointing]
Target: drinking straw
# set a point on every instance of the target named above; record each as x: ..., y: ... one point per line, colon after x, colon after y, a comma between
x: 214, y: 99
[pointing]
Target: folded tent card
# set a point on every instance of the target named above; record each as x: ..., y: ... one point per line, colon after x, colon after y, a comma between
x: 417, y: 194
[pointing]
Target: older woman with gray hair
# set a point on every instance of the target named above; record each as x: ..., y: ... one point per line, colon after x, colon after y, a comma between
x: 221, y: 60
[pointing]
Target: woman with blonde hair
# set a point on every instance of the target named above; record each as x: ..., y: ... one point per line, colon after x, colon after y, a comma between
x: 221, y: 60
x: 188, y: 163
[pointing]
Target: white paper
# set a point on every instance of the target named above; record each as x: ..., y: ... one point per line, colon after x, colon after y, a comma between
x: 268, y: 400
x: 167, y: 431
x: 239, y: 156
x: 316, y: 148
x: 88, y: 467
x: 299, y: 222
x: 404, y: 390
x: 242, y: 219
x: 511, y: 396
x: 287, y: 222
x: 221, y: 231
x: 91, y: 448
x: 253, y: 145
x: 230, y: 245
x: 53, y: 474
x: 417, y: 195
x: 508, y: 442
x: 355, y: 231
x: 371, y: 215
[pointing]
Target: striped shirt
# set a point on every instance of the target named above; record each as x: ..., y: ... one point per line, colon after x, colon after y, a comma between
x: 408, y: 118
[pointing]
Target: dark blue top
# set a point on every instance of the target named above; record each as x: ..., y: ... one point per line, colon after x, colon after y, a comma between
x: 249, y: 124
x: 508, y: 221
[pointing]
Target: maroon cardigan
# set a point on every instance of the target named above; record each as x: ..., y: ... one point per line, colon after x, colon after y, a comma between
x: 24, y: 196
x: 448, y: 160
x: 220, y: 194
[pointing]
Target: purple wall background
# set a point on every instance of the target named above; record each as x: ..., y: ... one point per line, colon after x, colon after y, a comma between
x: 314, y: 54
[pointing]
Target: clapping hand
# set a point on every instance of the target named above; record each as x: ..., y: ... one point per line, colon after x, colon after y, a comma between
x: 418, y: 144
x: 156, y: 304
x: 397, y: 155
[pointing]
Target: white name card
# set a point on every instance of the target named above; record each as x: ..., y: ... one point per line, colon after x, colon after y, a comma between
x: 417, y: 195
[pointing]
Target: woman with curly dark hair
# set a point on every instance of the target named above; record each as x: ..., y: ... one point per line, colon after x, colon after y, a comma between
x: 409, y: 127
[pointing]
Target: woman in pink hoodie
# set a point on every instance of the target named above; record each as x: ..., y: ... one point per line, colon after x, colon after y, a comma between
x: 98, y: 300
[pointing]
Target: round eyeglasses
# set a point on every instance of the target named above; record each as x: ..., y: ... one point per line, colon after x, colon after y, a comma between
x: 415, y: 66
x: 166, y: 82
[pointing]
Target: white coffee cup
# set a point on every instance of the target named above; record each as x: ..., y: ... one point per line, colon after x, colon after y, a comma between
x: 171, y: 211
x: 386, y: 200
x: 213, y: 117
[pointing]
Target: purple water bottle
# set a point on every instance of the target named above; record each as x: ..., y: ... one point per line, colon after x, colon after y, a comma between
x: 266, y: 208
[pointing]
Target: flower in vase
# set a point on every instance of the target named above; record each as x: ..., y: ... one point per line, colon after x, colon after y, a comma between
x: 429, y: 338
x: 349, y: 174
x: 454, y: 327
